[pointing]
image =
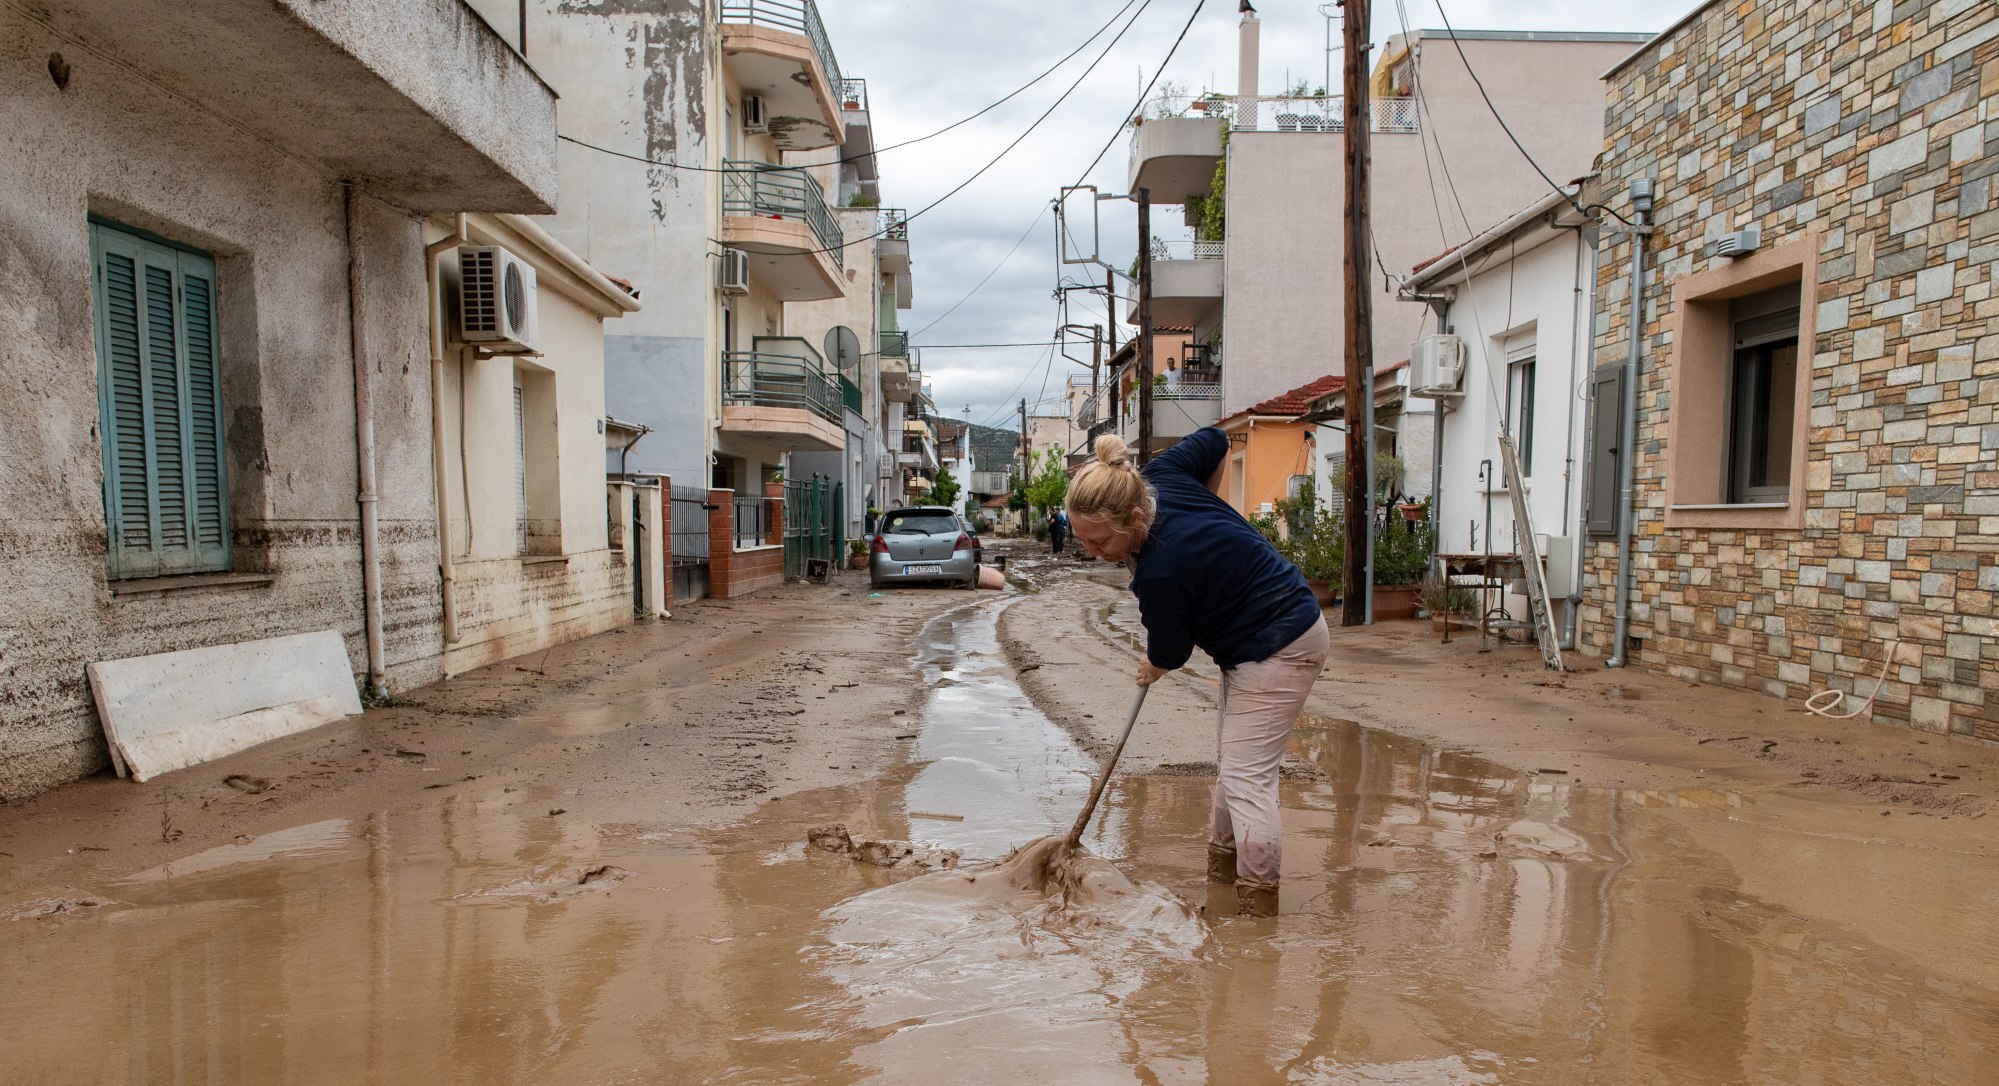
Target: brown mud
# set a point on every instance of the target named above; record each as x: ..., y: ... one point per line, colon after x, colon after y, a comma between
x: 1603, y: 898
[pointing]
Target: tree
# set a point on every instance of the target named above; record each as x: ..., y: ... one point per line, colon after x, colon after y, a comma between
x: 1051, y: 484
x: 945, y: 490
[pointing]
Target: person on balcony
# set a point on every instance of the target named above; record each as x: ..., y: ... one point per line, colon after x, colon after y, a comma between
x: 1172, y: 373
x: 1206, y: 579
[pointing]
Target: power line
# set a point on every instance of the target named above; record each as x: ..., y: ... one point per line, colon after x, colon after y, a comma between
x: 988, y: 278
x: 1010, y: 96
x: 1480, y: 84
x: 976, y: 174
x: 1140, y: 104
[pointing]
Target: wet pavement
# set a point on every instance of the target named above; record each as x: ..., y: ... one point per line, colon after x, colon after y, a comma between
x: 1445, y: 920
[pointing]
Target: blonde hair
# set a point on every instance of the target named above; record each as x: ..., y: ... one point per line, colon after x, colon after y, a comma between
x: 1111, y: 489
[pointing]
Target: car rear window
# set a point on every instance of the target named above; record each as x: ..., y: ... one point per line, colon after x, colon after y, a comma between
x: 924, y: 523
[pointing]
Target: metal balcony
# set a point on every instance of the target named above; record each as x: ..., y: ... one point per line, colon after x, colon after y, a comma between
x: 782, y: 192
x: 781, y: 394
x: 779, y: 215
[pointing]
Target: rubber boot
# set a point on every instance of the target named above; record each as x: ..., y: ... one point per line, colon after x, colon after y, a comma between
x: 1221, y: 863
x: 1255, y: 897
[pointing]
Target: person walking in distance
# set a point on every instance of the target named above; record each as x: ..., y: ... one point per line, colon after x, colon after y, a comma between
x: 1206, y: 579
x: 1058, y: 530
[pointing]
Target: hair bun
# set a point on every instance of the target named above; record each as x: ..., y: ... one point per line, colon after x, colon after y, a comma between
x: 1111, y: 450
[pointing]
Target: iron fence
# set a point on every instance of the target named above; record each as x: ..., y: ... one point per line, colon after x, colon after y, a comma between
x: 754, y: 527
x: 814, y: 524
x: 689, y: 543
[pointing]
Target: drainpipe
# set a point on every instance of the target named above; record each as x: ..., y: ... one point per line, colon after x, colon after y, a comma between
x: 364, y: 455
x: 1641, y: 203
x: 433, y: 283
x: 1579, y: 348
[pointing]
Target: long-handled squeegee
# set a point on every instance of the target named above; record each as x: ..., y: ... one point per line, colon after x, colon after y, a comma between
x: 1103, y: 778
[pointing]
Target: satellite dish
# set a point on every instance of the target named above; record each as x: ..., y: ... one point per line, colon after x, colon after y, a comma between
x: 843, y: 349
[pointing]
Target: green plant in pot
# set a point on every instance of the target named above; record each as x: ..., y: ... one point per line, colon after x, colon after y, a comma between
x: 1401, y: 557
x: 1447, y: 604
x: 1304, y: 531
x: 857, y: 554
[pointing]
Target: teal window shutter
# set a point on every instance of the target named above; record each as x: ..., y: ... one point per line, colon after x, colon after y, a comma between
x: 160, y: 407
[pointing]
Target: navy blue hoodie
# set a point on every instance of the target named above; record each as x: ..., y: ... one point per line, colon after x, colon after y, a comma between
x: 1205, y: 578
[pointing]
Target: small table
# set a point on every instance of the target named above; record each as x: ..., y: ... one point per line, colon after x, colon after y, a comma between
x: 1485, y: 574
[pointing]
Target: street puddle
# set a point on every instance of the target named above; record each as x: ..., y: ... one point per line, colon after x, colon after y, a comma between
x: 1445, y: 920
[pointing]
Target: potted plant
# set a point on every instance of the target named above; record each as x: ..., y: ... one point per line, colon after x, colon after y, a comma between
x: 857, y: 554
x: 1304, y: 531
x: 1401, y: 555
x: 1447, y: 604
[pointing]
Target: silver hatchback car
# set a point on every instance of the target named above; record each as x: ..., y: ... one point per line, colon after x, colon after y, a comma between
x: 924, y: 543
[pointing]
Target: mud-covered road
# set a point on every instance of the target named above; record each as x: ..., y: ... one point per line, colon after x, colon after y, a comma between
x: 590, y: 866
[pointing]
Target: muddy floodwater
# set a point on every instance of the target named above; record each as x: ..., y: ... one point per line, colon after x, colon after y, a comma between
x: 1445, y: 921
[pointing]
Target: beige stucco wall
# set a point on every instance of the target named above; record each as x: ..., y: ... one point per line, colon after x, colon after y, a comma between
x: 118, y: 145
x: 572, y: 583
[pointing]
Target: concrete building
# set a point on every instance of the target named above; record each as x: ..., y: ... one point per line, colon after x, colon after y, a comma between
x: 716, y: 150
x: 1517, y: 297
x: 522, y: 473
x: 1260, y: 284
x: 1816, y: 366
x: 217, y: 418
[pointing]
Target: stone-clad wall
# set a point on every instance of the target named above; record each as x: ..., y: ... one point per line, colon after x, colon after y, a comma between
x: 1873, y: 128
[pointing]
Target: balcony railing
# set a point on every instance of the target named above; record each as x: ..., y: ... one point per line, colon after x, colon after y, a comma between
x: 1184, y: 249
x: 1316, y: 113
x: 850, y: 395
x: 1188, y: 390
x: 795, y: 16
x: 854, y: 94
x: 764, y: 191
x: 895, y: 344
x: 895, y: 224
x: 765, y: 379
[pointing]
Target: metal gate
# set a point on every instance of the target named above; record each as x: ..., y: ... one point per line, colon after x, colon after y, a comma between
x: 690, y: 543
x: 814, y: 523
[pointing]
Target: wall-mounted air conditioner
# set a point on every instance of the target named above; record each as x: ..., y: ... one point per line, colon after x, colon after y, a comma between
x: 735, y: 271
x: 754, y: 117
x: 496, y: 301
x: 1437, y: 367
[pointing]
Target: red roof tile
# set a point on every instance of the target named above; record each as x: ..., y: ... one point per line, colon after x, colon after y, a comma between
x: 1297, y: 401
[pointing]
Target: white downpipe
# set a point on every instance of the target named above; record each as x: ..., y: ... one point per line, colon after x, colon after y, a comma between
x: 364, y: 455
x: 434, y: 286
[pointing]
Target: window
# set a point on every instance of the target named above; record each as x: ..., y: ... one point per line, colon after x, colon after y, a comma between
x: 1520, y: 411
x: 159, y: 404
x: 1739, y: 370
x: 1762, y: 383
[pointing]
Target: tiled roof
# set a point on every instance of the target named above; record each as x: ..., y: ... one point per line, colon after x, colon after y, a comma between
x: 1297, y: 401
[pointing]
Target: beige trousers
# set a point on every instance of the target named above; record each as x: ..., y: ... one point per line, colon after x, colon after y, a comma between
x: 1260, y: 704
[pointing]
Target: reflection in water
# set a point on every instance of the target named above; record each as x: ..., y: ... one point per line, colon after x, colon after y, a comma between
x: 1446, y: 920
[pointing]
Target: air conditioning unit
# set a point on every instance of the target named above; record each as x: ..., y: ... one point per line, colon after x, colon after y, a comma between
x: 754, y: 117
x: 496, y: 301
x: 735, y: 271
x: 1437, y: 367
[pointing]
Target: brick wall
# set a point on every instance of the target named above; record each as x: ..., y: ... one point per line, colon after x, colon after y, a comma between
x: 1860, y: 126
x: 733, y: 572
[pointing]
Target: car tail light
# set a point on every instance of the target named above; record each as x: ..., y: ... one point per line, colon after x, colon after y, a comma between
x: 964, y: 542
x: 879, y: 546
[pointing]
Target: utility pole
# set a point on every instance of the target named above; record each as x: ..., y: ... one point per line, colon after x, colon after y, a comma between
x: 1096, y: 381
x: 1026, y: 450
x: 1144, y: 325
x: 1357, y: 579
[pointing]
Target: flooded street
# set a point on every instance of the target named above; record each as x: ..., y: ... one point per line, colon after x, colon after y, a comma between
x: 1446, y: 919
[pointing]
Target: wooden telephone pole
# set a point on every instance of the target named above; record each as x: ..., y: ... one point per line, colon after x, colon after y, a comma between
x: 1359, y: 332
x: 1144, y: 325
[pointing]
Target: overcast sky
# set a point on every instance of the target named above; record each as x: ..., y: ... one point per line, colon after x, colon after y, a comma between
x: 931, y: 62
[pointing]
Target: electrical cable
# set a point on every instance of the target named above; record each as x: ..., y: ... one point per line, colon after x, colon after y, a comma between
x: 1142, y: 95
x: 1480, y: 84
x: 1011, y: 95
x: 995, y: 271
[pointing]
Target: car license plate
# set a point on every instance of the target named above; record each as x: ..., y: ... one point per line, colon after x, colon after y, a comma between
x: 923, y: 571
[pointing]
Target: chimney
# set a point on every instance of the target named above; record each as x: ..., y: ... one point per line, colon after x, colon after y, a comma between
x: 1249, y: 33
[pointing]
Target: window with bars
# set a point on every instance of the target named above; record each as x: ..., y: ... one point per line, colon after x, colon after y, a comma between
x: 159, y: 384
